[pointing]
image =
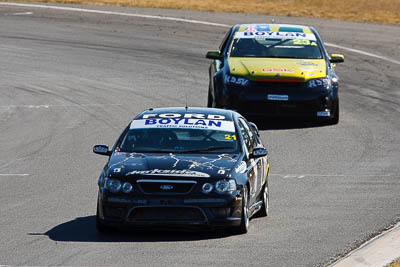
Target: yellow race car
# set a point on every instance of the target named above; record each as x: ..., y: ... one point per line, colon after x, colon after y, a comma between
x: 274, y: 70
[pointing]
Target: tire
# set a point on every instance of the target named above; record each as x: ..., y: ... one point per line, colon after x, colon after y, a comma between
x: 243, y: 228
x: 335, y: 119
x: 263, y: 212
x: 210, y: 99
x: 213, y: 102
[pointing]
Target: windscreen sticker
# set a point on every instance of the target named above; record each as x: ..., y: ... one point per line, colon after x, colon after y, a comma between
x: 155, y: 172
x: 186, y: 116
x: 275, y: 35
x: 218, y: 125
x: 278, y: 97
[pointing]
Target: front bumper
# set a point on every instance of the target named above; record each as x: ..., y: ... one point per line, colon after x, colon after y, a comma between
x: 285, y: 101
x: 189, y: 211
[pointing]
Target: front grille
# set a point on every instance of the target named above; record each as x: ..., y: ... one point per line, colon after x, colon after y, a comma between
x: 166, y: 214
x: 113, y: 213
x: 166, y: 186
x: 282, y: 108
x: 221, y: 212
x: 279, y: 85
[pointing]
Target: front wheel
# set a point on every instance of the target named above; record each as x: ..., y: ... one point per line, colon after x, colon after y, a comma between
x: 213, y: 101
x: 243, y: 228
x: 335, y: 119
x: 263, y: 212
x: 209, y: 99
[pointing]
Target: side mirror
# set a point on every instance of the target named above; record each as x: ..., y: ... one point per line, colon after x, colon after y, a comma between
x: 336, y: 58
x: 254, y: 128
x: 214, y: 54
x: 101, y: 150
x: 258, y: 152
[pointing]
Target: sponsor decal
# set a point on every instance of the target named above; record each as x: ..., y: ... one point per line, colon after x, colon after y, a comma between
x: 185, y: 116
x: 309, y: 69
x: 117, y: 170
x: 325, y: 113
x: 318, y: 82
x: 218, y: 125
x: 166, y: 187
x: 275, y: 35
x: 250, y: 28
x: 307, y: 63
x: 280, y: 70
x: 278, y: 97
x: 158, y: 172
x: 236, y: 80
x: 241, y: 168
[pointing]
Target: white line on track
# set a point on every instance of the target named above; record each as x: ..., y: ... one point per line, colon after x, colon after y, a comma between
x: 300, y: 176
x: 181, y: 20
x: 115, y: 13
x: 363, y: 53
x: 61, y: 105
x: 14, y: 174
x: 22, y: 13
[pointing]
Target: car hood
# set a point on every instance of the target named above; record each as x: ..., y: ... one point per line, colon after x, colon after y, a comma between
x: 131, y: 165
x: 277, y: 69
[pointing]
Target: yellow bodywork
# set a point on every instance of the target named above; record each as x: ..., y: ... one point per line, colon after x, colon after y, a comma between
x: 277, y: 69
x: 259, y: 69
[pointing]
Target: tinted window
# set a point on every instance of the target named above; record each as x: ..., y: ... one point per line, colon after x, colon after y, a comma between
x: 175, y: 140
x: 275, y: 48
x: 224, y: 41
x: 247, y: 134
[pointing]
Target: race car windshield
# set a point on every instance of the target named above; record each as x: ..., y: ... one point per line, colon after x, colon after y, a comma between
x: 275, y: 48
x: 176, y: 140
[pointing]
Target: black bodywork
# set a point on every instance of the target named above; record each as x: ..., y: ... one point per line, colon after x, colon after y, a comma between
x: 149, y: 204
x: 252, y: 99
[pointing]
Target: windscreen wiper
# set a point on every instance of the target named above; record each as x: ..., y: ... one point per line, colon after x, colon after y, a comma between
x: 278, y: 43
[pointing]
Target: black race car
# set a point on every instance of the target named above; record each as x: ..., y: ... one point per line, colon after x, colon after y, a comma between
x: 274, y: 70
x: 195, y: 167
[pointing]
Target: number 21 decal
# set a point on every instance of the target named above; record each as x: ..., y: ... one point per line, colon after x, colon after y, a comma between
x: 230, y: 137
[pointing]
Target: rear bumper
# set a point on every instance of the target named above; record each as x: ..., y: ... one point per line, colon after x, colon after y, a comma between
x: 191, y: 212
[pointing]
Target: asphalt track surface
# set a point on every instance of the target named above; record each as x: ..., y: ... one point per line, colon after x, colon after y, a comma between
x: 71, y: 80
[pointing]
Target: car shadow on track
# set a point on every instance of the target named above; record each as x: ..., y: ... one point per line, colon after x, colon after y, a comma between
x: 286, y: 123
x: 83, y: 229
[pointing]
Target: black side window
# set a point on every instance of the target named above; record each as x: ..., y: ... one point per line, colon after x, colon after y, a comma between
x: 225, y: 41
x: 247, y: 135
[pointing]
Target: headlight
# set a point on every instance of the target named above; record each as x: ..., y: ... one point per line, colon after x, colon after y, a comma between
x: 127, y: 188
x: 113, y: 185
x: 207, y: 188
x: 225, y: 186
x: 322, y: 82
x: 236, y: 80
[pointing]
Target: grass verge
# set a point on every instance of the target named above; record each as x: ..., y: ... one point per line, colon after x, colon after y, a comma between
x: 375, y: 11
x: 395, y: 264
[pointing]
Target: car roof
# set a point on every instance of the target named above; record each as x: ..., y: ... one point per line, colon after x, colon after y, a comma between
x: 228, y: 114
x: 274, y: 27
